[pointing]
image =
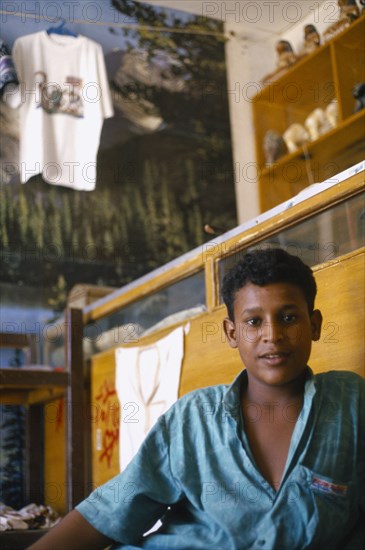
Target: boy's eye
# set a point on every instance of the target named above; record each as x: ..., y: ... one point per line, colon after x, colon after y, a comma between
x: 289, y: 318
x: 255, y: 322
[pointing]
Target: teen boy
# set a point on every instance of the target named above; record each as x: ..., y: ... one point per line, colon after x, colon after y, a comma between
x: 273, y: 461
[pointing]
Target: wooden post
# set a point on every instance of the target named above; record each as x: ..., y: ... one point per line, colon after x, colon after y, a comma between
x: 76, y: 425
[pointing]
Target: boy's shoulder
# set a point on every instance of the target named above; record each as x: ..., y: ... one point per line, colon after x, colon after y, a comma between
x: 336, y: 380
x: 213, y: 402
x: 213, y: 393
x: 197, y: 402
x: 342, y: 376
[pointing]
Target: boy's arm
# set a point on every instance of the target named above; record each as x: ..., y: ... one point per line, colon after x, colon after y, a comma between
x: 73, y: 533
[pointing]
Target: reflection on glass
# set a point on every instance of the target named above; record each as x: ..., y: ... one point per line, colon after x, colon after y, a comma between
x: 316, y: 240
x: 172, y: 304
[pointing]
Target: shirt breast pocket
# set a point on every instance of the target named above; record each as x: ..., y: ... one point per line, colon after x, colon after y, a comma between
x: 332, y: 515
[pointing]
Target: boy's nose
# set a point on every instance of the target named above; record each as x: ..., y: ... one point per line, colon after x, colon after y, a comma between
x: 272, y: 332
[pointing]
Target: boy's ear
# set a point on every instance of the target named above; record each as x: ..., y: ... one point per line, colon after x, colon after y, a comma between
x: 316, y: 323
x: 230, y: 331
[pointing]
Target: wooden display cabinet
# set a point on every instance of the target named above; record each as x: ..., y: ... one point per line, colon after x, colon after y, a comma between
x: 34, y: 388
x: 313, y: 82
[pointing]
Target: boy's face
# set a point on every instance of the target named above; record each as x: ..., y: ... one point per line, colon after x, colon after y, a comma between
x: 273, y: 331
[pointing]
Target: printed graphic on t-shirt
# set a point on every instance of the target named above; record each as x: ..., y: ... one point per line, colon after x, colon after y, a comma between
x: 56, y: 98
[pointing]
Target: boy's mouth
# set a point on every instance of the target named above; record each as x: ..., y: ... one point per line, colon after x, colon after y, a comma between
x: 275, y: 358
x: 274, y: 355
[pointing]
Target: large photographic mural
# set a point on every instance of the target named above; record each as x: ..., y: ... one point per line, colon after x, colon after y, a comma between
x: 164, y: 166
x: 164, y: 170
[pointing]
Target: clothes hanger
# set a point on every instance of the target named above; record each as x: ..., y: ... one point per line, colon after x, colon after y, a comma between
x: 61, y: 29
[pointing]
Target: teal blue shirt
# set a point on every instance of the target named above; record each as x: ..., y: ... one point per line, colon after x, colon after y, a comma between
x: 196, y: 473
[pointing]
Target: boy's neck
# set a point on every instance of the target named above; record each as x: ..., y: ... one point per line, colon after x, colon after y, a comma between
x: 259, y: 393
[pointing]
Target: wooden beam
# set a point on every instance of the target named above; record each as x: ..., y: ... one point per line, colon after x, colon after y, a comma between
x: 22, y: 378
x: 13, y: 340
x: 76, y: 409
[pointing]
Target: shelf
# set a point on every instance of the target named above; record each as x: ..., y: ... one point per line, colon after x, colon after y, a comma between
x: 356, y: 123
x: 328, y: 73
x: 19, y: 386
x: 353, y: 36
x: 299, y: 86
x: 33, y: 386
x: 322, y: 159
x: 23, y: 378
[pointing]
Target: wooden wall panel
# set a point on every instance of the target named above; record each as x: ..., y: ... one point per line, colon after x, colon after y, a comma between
x: 104, y: 419
x: 208, y: 359
x: 341, y: 293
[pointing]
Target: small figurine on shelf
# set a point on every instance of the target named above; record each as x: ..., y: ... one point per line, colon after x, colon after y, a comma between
x: 331, y: 112
x: 295, y: 136
x: 286, y: 55
x: 312, y: 40
x: 274, y: 146
x: 349, y: 11
x: 285, y: 58
x: 314, y: 123
x: 358, y: 91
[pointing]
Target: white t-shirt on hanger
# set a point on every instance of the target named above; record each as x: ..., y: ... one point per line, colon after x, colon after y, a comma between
x: 65, y: 97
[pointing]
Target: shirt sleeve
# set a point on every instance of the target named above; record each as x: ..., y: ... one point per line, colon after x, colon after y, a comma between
x: 107, y: 110
x: 17, y: 55
x: 128, y: 505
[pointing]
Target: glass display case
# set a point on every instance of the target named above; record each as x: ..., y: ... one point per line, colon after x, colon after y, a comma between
x: 320, y: 238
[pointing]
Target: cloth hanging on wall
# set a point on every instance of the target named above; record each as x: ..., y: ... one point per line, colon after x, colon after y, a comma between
x: 147, y: 384
x: 65, y: 98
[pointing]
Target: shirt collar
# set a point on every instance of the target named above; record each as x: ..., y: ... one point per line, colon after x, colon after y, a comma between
x: 231, y: 397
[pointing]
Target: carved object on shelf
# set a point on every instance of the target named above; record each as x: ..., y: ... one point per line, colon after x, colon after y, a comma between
x: 286, y: 55
x: 312, y: 39
x: 349, y: 11
x: 358, y: 91
x: 295, y: 136
x: 285, y: 59
x: 274, y: 146
x: 331, y: 112
x: 315, y: 123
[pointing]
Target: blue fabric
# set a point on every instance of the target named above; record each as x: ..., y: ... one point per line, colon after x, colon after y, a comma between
x: 7, y: 69
x: 196, y: 472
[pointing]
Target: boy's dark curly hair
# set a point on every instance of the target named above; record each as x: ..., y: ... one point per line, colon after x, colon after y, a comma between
x: 262, y: 267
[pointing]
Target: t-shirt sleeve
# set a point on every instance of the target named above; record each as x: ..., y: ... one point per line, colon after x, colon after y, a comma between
x: 17, y: 54
x: 128, y: 505
x: 107, y: 110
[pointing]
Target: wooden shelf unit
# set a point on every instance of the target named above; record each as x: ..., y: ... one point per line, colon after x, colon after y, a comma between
x: 34, y: 388
x: 313, y: 82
